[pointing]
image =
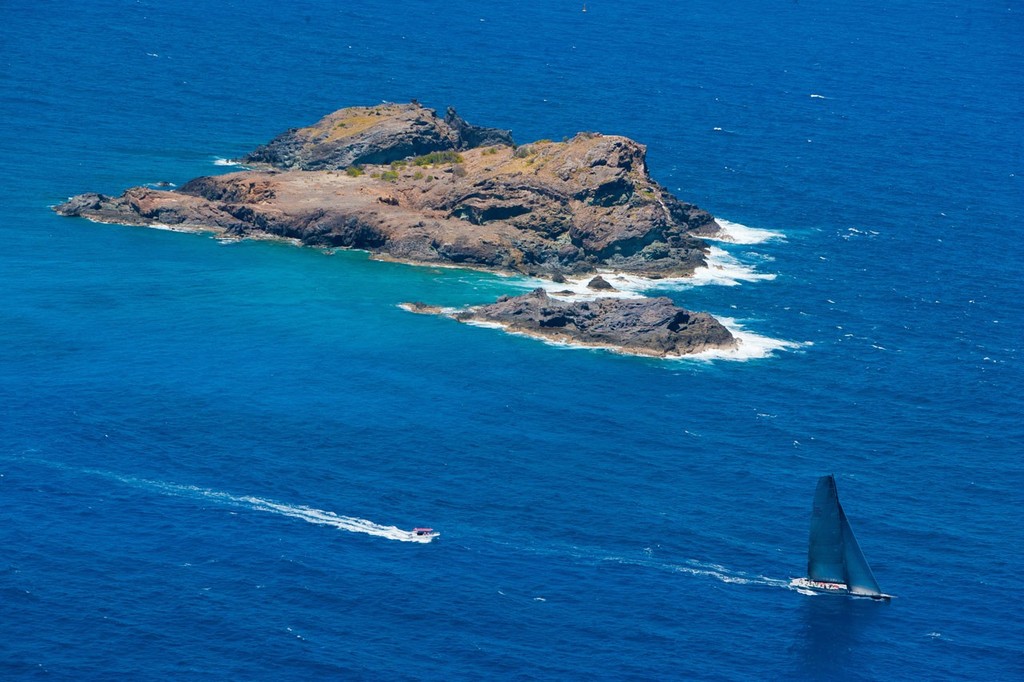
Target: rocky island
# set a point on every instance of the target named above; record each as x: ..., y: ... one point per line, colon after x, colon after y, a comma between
x: 405, y: 184
x: 647, y: 326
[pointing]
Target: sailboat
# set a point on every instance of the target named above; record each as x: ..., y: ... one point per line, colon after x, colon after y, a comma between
x: 835, y: 564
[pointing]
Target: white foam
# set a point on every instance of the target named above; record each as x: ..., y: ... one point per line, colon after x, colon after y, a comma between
x: 320, y: 517
x: 327, y: 518
x: 798, y: 584
x: 852, y: 232
x: 576, y: 289
x: 726, y: 575
x: 442, y: 310
x: 706, y: 570
x: 227, y: 162
x: 750, y: 346
x: 185, y: 229
x: 725, y: 269
x: 178, y: 228
x: 735, y: 233
x: 722, y: 269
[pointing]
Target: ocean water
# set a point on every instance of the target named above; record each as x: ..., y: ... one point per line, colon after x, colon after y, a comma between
x: 211, y: 454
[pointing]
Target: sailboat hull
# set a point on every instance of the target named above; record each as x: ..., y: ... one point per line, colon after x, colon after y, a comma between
x: 808, y: 586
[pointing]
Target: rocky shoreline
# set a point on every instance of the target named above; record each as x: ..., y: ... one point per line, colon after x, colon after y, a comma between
x: 405, y: 184
x: 638, y: 326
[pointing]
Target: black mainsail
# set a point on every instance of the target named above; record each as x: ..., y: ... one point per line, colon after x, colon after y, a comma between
x: 833, y: 555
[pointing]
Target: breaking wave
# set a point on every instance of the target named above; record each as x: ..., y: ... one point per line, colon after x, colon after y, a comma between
x: 722, y: 269
x: 751, y: 346
x: 735, y: 233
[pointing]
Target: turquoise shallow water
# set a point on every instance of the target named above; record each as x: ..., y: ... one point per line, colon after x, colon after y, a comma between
x: 200, y: 442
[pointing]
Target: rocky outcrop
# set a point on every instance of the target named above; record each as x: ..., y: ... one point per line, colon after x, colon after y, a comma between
x: 470, y: 136
x: 144, y: 206
x: 442, y: 191
x: 373, y: 135
x: 645, y: 326
x: 599, y: 283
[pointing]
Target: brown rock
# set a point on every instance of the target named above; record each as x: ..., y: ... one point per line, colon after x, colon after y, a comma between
x: 540, y: 209
x: 372, y: 135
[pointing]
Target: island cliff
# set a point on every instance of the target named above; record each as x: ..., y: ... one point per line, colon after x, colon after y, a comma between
x: 405, y: 184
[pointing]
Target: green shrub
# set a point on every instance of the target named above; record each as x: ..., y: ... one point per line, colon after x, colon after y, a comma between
x: 389, y: 176
x: 523, y: 152
x: 434, y: 158
x: 418, y: 175
x: 354, y: 171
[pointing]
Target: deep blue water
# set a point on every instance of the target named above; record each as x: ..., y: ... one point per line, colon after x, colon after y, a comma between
x: 175, y: 410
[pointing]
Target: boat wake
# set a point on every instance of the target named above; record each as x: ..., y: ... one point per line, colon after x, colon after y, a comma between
x: 705, y: 569
x: 319, y: 517
x: 702, y: 569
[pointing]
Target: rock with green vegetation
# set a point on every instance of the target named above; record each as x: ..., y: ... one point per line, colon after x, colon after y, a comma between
x: 404, y: 184
x: 373, y: 135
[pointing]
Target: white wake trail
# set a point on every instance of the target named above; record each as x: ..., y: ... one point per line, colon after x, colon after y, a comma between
x: 706, y: 570
x: 327, y: 518
x: 320, y: 517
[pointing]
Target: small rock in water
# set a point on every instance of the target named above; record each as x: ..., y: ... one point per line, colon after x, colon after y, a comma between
x: 600, y: 282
